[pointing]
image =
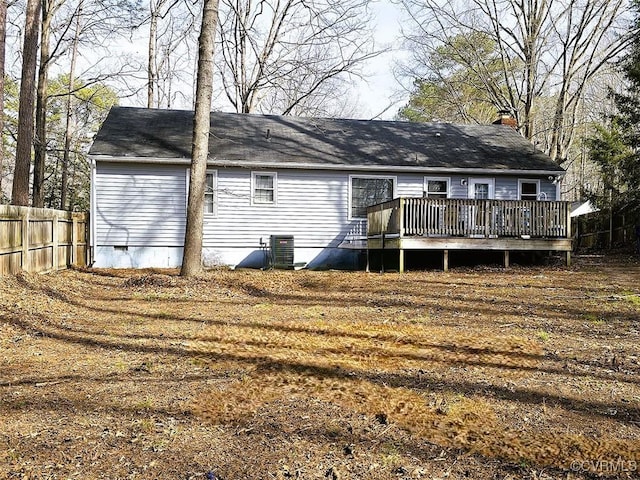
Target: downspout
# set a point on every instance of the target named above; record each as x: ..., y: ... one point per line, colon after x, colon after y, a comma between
x: 92, y: 214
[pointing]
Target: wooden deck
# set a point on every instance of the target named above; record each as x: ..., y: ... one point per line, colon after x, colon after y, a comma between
x: 465, y: 224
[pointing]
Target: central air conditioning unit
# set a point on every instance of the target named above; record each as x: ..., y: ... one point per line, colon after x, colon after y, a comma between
x: 282, y: 251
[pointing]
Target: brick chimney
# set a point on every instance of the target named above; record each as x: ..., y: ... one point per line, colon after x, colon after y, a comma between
x: 506, y: 118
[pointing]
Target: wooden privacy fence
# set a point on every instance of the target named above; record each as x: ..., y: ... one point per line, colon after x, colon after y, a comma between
x: 41, y: 240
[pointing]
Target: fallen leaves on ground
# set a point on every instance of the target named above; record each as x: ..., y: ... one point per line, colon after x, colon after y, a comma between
x: 475, y: 373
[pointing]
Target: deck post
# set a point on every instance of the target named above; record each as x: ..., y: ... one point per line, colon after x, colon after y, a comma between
x: 368, y: 265
x: 382, y: 255
x: 443, y: 225
x: 569, y: 234
x: 403, y: 202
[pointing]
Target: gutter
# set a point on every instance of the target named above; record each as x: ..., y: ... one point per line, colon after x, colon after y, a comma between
x: 214, y: 162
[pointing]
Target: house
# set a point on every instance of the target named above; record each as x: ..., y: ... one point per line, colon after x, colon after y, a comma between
x: 308, y: 183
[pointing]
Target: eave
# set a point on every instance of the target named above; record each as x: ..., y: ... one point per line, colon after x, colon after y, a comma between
x: 214, y: 162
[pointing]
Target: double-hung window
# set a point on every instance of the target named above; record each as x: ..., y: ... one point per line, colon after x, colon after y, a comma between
x: 366, y: 191
x: 210, y: 207
x: 528, y: 189
x: 210, y: 193
x: 264, y: 188
x: 436, y: 187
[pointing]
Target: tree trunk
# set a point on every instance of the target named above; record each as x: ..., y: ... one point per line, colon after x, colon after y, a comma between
x: 192, y: 258
x: 69, y: 121
x: 3, y: 37
x: 20, y: 194
x: 40, y: 144
x: 151, y: 65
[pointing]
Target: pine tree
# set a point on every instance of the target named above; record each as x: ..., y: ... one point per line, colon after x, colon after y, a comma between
x: 616, y: 147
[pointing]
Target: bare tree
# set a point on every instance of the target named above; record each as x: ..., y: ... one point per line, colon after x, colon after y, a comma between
x: 3, y: 37
x: 87, y: 24
x: 287, y: 53
x: 70, y: 116
x: 171, y: 24
x: 61, y: 32
x: 192, y: 257
x: 547, y: 48
x: 49, y: 8
x: 518, y: 28
x: 20, y: 192
x: 155, y: 14
x: 69, y: 137
x: 589, y: 36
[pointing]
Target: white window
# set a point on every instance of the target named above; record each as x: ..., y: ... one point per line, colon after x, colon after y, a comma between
x: 481, y: 188
x: 211, y: 193
x: 264, y: 187
x: 436, y: 187
x: 528, y: 189
x: 365, y: 191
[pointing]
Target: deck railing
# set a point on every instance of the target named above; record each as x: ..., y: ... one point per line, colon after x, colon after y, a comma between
x: 438, y: 217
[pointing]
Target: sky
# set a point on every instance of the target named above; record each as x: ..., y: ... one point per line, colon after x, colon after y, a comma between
x: 379, y: 95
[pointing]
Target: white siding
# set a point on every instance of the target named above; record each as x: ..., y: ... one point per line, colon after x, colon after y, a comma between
x: 140, y: 205
x: 410, y: 185
x: 506, y: 188
x: 140, y: 214
x: 311, y: 205
x: 549, y: 189
x: 458, y: 189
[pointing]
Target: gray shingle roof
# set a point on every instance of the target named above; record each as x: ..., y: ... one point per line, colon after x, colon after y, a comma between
x: 288, y: 141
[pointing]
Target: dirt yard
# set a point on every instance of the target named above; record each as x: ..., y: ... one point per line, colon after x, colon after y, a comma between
x: 529, y: 373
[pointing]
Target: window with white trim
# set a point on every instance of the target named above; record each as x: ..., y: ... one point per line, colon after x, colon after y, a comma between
x: 368, y: 190
x: 210, y: 193
x: 436, y: 187
x: 210, y: 203
x: 264, y: 188
x: 481, y: 188
x: 528, y: 189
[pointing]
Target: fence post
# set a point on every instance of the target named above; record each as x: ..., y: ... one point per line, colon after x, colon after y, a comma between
x: 24, y: 217
x: 74, y: 240
x: 56, y: 242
